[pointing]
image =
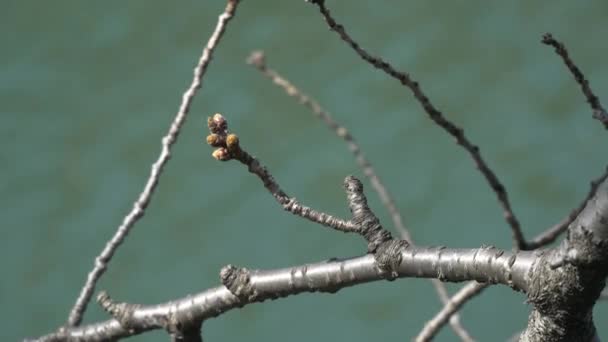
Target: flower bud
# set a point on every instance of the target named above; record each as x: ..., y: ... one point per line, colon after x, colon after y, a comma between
x: 232, y: 142
x: 217, y: 123
x: 214, y: 140
x: 221, y: 154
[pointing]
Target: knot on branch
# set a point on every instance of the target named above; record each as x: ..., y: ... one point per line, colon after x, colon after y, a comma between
x: 181, y: 327
x: 581, y: 249
x: 183, y: 332
x: 237, y: 281
x: 122, y: 312
x: 368, y: 225
x: 388, y: 257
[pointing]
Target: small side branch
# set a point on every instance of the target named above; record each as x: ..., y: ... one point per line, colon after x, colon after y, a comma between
x: 437, y: 117
x: 599, y: 112
x: 228, y: 147
x: 552, y: 233
x: 432, y: 327
x: 140, y: 205
x: 258, y: 60
x: 364, y: 222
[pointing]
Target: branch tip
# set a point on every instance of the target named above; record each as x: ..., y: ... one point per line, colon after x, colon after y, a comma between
x: 122, y: 312
x: 598, y: 111
x: 257, y: 59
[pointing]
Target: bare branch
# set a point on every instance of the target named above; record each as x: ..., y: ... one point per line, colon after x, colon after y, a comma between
x: 182, y: 328
x: 258, y: 60
x: 243, y: 287
x: 599, y: 112
x: 139, y: 207
x: 439, y: 119
x: 454, y: 318
x: 364, y: 222
x: 228, y: 147
x: 432, y: 327
x: 549, y: 235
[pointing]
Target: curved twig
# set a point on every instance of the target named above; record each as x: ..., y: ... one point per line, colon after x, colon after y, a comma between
x: 139, y: 207
x: 599, y: 112
x: 438, y: 117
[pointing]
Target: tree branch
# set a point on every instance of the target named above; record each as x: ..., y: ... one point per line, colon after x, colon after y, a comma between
x: 599, y: 112
x: 432, y: 327
x: 364, y: 222
x: 567, y: 281
x: 549, y: 235
x: 437, y: 117
x: 258, y: 60
x: 243, y: 287
x: 140, y: 205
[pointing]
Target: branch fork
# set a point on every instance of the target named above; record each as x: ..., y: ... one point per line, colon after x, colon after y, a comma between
x: 364, y: 222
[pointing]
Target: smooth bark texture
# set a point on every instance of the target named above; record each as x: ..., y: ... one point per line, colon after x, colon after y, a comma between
x: 242, y: 286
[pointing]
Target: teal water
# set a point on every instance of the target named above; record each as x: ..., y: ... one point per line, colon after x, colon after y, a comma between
x: 87, y: 90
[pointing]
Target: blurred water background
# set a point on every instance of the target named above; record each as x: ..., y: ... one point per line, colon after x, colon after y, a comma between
x: 88, y: 88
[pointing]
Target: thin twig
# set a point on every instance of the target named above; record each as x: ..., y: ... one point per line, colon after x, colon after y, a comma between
x: 139, y: 207
x: 455, y: 317
x: 599, y: 112
x: 432, y: 327
x: 229, y: 147
x: 435, y: 115
x: 549, y: 235
x: 258, y: 60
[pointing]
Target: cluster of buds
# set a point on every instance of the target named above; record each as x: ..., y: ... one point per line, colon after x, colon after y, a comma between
x: 227, y: 144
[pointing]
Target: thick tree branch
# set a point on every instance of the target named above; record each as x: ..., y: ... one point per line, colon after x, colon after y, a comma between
x: 568, y: 280
x: 243, y: 287
x: 437, y: 117
x: 139, y: 207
